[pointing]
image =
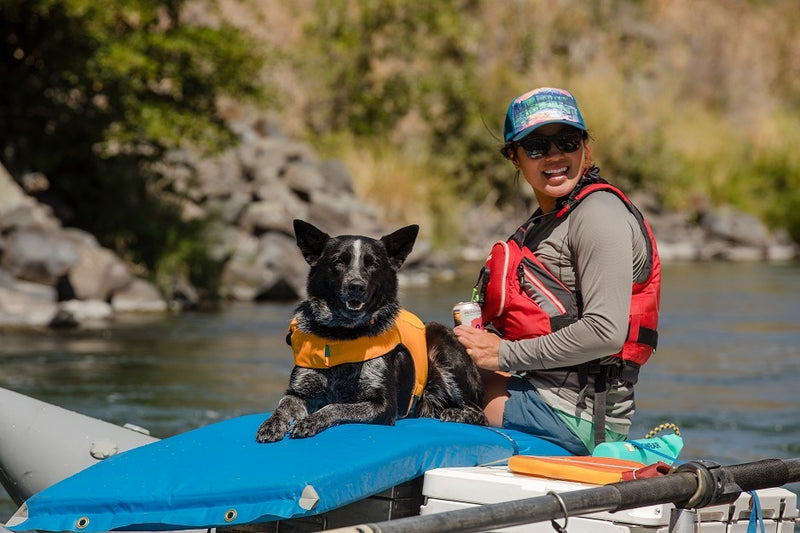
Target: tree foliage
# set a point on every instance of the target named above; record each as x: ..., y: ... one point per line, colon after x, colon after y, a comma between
x: 93, y: 92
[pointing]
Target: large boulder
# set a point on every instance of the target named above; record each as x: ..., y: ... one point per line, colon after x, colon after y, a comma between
x: 37, y: 255
x: 98, y: 274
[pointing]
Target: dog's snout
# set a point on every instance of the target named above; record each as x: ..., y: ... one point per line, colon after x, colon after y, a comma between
x: 355, y: 294
x: 357, y: 287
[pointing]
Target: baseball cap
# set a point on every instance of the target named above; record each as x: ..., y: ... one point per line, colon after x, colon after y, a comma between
x: 538, y: 107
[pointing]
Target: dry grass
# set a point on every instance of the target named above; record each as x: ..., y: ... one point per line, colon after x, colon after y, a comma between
x: 406, y: 189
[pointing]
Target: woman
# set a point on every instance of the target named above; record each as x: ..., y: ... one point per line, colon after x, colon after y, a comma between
x: 545, y: 377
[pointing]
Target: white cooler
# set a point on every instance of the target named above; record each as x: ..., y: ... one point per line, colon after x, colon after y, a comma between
x: 447, y: 489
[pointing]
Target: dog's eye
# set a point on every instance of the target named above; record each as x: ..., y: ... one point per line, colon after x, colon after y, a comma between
x: 341, y: 260
x: 370, y: 261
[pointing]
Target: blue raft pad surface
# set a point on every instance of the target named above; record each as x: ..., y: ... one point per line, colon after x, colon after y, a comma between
x: 218, y: 475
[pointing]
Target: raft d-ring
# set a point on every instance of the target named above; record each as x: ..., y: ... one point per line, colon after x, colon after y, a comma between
x: 558, y: 527
x: 82, y: 522
x: 230, y: 515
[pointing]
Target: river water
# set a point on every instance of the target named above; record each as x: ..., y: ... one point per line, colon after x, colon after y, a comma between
x: 726, y: 371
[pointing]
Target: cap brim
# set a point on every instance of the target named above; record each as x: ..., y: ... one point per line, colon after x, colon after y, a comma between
x: 527, y: 131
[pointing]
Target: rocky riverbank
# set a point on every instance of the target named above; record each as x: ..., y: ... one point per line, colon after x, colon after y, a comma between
x: 52, y: 276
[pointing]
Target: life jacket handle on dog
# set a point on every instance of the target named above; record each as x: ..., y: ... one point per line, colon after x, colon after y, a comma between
x: 521, y: 299
x: 313, y: 351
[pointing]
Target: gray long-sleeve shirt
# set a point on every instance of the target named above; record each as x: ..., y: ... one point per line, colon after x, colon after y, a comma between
x: 598, y: 250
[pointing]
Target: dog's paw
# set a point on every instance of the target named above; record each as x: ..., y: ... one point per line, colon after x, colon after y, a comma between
x: 271, y: 430
x: 307, y: 427
x: 466, y: 415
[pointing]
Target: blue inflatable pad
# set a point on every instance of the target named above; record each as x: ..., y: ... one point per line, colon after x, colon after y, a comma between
x: 218, y: 475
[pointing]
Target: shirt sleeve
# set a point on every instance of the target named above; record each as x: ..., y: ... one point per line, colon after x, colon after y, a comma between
x: 600, y: 238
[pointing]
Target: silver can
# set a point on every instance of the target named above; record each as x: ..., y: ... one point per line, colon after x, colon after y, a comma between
x: 467, y: 313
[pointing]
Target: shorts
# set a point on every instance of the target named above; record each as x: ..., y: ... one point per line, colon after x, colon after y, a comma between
x: 526, y: 411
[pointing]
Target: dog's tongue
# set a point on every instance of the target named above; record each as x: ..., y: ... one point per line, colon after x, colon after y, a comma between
x: 355, y: 305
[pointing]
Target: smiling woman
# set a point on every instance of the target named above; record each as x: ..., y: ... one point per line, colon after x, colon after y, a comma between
x: 571, y: 381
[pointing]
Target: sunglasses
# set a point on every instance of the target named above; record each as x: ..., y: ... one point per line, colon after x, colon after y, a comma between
x: 537, y: 146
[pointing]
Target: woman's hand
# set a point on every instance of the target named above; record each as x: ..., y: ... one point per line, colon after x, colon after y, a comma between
x: 483, y: 347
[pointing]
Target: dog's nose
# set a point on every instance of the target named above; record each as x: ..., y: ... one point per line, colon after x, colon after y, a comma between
x: 356, y: 288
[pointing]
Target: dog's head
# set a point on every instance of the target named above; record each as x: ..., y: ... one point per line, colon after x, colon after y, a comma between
x: 353, y: 279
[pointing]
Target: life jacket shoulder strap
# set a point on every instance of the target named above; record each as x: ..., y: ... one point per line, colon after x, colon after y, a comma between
x: 602, y: 185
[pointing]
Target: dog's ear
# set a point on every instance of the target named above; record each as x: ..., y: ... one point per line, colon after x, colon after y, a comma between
x: 399, y: 244
x: 310, y: 240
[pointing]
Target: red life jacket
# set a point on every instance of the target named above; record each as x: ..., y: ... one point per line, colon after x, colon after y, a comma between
x: 522, y: 299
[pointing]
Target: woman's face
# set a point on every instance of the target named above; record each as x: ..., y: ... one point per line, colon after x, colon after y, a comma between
x: 556, y: 172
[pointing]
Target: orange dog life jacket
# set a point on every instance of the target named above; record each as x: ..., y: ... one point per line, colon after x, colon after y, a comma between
x: 313, y: 351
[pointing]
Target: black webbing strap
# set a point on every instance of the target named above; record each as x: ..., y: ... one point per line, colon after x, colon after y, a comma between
x: 648, y: 336
x: 599, y: 415
x: 602, y: 375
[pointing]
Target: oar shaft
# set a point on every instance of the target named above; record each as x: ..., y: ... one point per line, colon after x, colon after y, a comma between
x: 765, y: 473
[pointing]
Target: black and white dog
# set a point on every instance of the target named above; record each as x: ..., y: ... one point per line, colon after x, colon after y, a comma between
x: 351, y: 302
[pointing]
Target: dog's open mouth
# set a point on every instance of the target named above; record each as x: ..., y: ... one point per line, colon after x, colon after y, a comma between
x: 354, y: 305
